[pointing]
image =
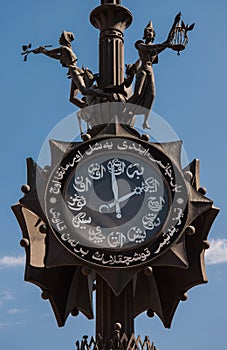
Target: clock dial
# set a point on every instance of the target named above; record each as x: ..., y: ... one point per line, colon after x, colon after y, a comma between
x: 116, y: 197
x: 117, y: 201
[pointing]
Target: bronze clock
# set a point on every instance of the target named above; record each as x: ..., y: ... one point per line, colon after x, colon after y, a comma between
x: 116, y: 202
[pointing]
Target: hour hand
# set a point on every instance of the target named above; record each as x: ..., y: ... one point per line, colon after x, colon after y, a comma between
x: 136, y: 191
x: 123, y: 198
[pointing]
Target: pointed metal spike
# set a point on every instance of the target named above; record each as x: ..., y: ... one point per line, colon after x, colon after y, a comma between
x: 36, y: 238
x: 117, y: 280
x: 59, y: 149
x: 180, y: 252
x: 33, y: 173
x: 172, y: 150
x: 148, y: 297
x: 176, y: 257
x: 194, y: 168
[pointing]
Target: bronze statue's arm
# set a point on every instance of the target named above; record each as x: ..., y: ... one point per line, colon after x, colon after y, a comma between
x: 166, y: 44
x: 54, y: 53
x: 160, y: 47
x: 154, y: 49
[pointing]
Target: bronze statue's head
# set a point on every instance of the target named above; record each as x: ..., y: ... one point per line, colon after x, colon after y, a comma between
x: 149, y: 33
x: 66, y: 38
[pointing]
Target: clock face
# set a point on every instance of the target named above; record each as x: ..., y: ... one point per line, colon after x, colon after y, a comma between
x: 121, y: 198
x: 116, y: 202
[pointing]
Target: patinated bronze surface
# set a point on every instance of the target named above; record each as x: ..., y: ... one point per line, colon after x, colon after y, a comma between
x: 110, y: 83
x: 114, y: 213
x: 144, y: 91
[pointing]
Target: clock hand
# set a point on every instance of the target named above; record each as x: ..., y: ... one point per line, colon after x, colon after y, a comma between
x: 126, y: 196
x: 115, y: 193
x: 117, y: 201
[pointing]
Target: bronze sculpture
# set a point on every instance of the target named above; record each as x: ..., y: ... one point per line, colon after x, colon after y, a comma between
x: 144, y: 91
x: 81, y: 79
x: 117, y: 90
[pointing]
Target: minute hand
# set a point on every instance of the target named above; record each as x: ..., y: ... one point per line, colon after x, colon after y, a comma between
x: 122, y: 199
x: 115, y: 193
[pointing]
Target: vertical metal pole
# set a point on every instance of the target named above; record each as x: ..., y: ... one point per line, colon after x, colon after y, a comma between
x: 111, y: 309
x: 111, y: 19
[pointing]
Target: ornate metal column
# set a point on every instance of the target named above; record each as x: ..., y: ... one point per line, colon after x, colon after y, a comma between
x: 114, y: 211
x: 111, y: 18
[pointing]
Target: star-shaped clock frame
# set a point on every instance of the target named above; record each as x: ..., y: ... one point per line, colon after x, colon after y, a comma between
x: 59, y: 267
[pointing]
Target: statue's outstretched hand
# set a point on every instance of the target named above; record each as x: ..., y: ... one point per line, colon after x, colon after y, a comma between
x: 169, y: 45
x: 40, y: 49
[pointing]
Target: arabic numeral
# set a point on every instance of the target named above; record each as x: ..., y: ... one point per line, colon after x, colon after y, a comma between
x: 156, y: 204
x: 96, y: 235
x: 116, y: 239
x: 81, y: 185
x: 151, y: 221
x: 96, y: 171
x: 116, y: 166
x: 151, y: 185
x: 135, y: 234
x: 80, y: 220
x: 76, y: 203
x: 134, y: 170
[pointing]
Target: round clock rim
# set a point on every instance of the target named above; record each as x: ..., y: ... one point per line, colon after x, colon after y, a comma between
x: 83, y: 147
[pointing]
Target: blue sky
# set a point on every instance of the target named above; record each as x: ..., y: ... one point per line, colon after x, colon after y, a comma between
x: 191, y: 97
